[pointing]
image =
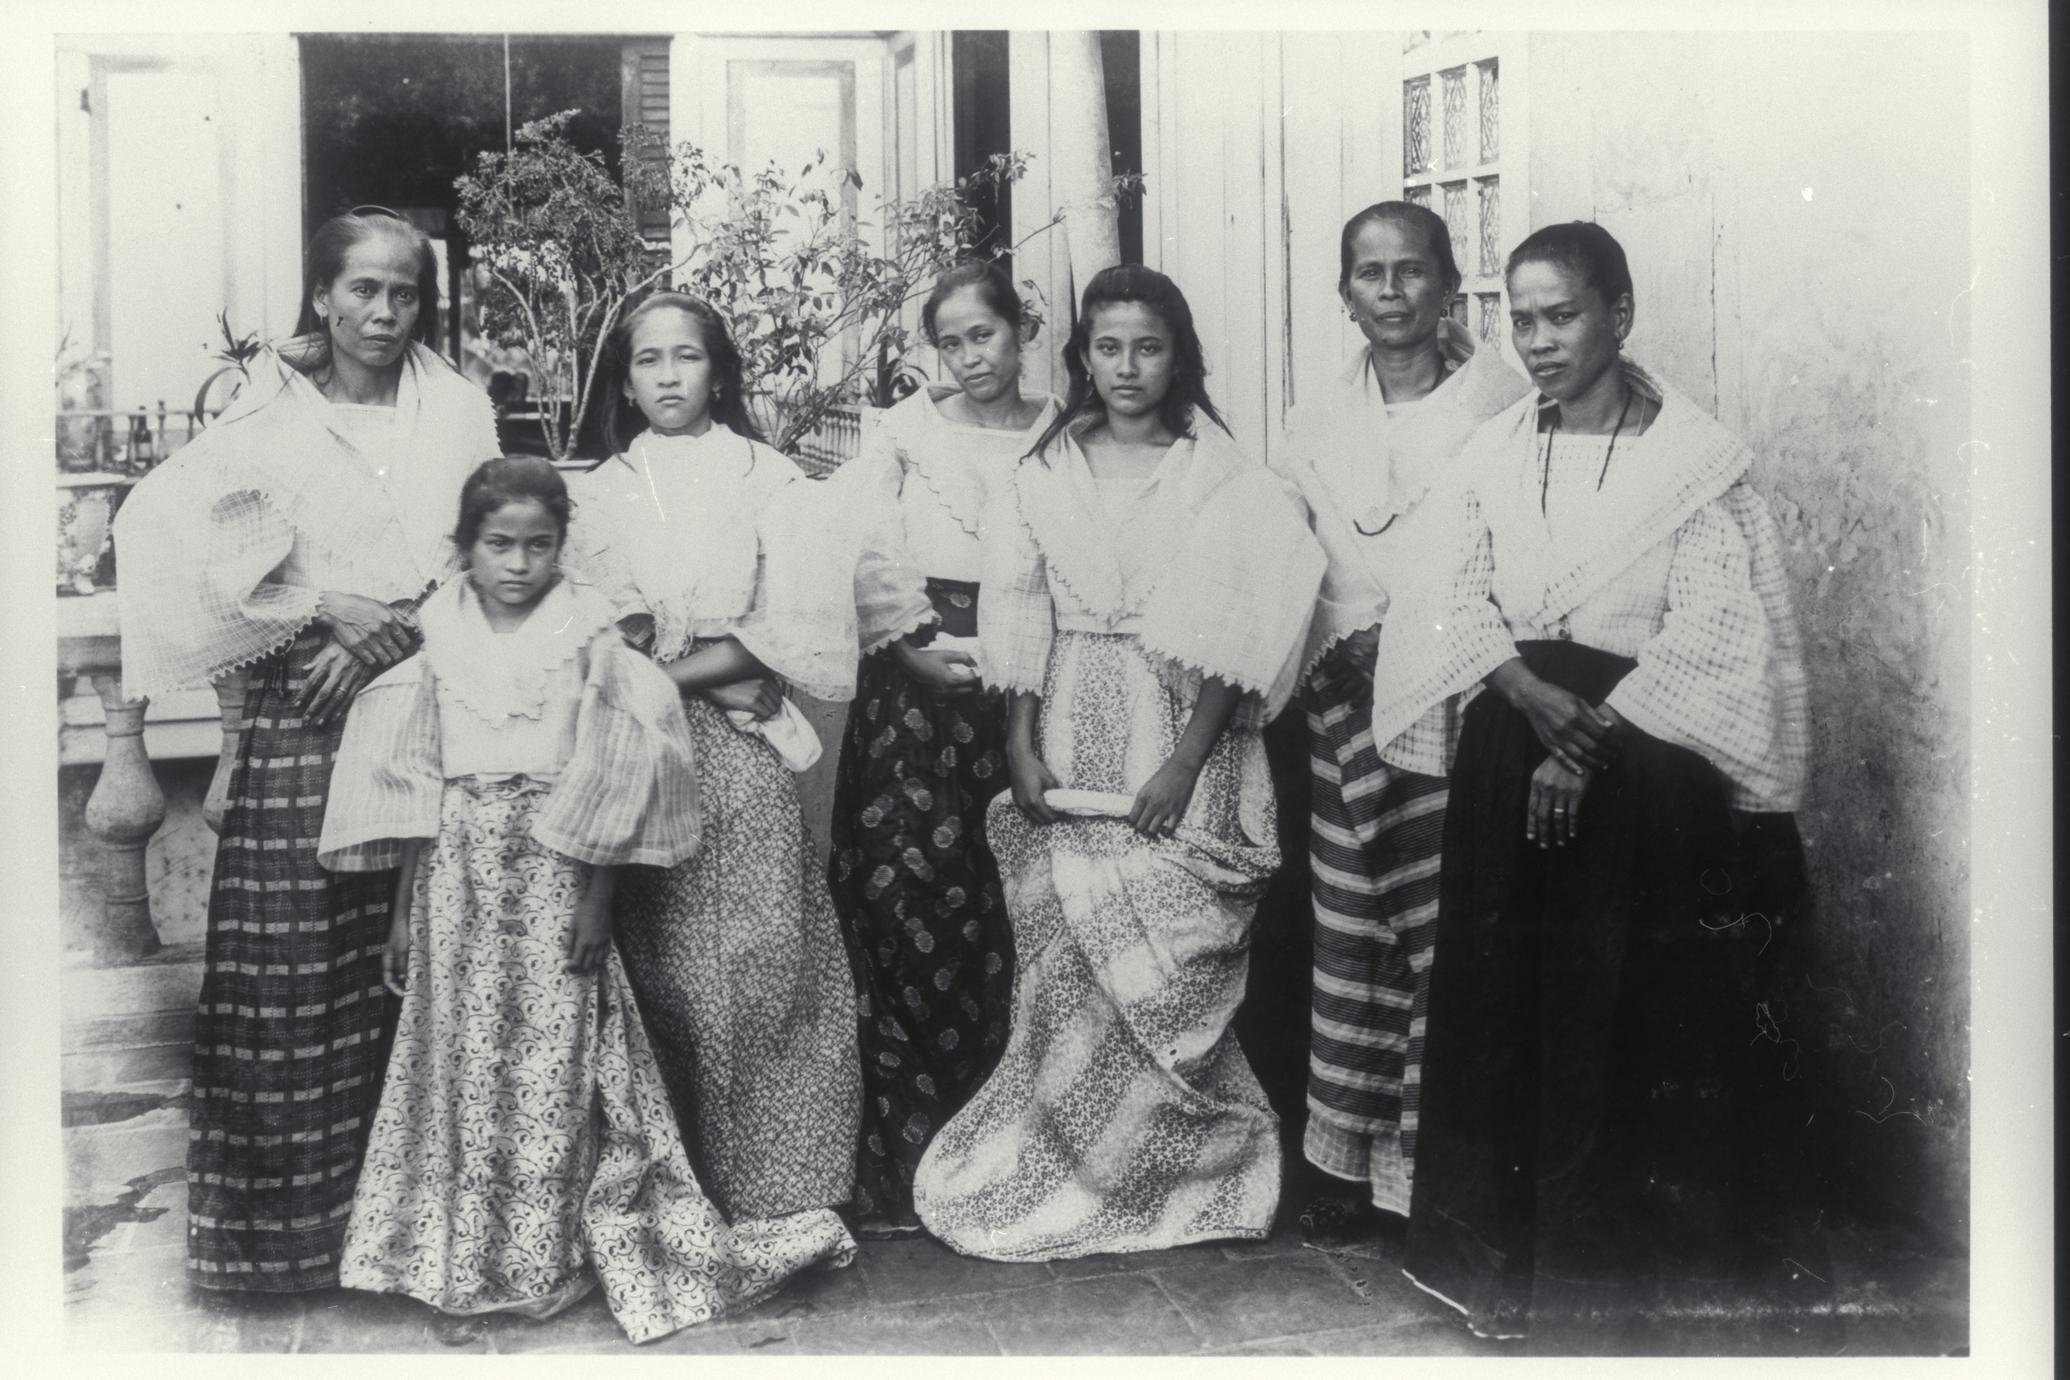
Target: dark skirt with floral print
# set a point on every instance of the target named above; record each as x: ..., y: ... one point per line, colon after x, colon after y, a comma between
x: 921, y: 909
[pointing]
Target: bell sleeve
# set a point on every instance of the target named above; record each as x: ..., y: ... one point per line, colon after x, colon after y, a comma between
x: 386, y: 781
x: 197, y: 553
x: 1238, y: 601
x: 1708, y: 679
x: 890, y: 590
x: 1017, y: 621
x: 801, y: 623
x: 628, y: 792
x: 1442, y: 637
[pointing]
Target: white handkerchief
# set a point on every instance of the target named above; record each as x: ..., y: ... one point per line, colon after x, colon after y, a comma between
x: 789, y: 732
x: 1069, y: 802
x: 948, y: 642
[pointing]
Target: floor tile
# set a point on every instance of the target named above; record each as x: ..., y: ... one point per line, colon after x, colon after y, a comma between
x: 921, y: 1268
x: 1236, y: 1301
x: 1119, y: 1315
x: 921, y: 1329
x: 1416, y: 1337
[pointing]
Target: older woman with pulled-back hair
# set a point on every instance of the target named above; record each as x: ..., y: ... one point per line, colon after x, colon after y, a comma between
x: 292, y: 541
x: 1368, y: 453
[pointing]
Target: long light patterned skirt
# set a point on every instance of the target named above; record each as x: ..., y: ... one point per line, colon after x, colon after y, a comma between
x: 524, y: 1131
x: 737, y: 960
x: 1376, y: 835
x: 1122, y: 1116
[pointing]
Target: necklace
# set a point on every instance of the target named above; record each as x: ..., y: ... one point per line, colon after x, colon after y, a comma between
x: 1545, y: 462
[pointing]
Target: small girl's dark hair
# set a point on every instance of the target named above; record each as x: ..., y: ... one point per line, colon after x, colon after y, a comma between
x: 623, y: 419
x: 1579, y: 246
x: 993, y: 287
x: 510, y: 479
x: 1188, y: 393
x: 1420, y: 219
x: 324, y: 260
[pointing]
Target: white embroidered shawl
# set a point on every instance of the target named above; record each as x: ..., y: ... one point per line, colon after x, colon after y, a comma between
x: 1713, y: 679
x: 226, y: 546
x: 1212, y: 568
x: 919, y: 486
x: 626, y: 790
x: 1364, y: 474
x: 717, y: 536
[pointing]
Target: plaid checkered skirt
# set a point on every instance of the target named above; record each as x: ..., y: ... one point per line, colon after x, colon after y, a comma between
x: 289, y: 1039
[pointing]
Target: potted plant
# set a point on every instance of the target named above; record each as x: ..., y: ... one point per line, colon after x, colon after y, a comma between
x: 817, y: 304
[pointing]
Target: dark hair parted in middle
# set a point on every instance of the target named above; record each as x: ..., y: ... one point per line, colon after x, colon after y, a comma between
x: 1188, y: 393
x: 1419, y: 220
x: 510, y: 479
x: 993, y: 288
x: 623, y: 419
x: 324, y: 259
x: 1581, y: 247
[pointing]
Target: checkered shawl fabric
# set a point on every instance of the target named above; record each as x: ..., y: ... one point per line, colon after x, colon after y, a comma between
x: 288, y: 1045
x: 1722, y: 671
x: 626, y: 793
x: 225, y: 547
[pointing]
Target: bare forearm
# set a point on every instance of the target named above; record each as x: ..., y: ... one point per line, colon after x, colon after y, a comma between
x: 1211, y: 715
x: 725, y: 662
x: 1023, y: 714
x: 406, y: 876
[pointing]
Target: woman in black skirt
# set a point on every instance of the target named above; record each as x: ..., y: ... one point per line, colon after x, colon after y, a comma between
x: 1601, y: 1163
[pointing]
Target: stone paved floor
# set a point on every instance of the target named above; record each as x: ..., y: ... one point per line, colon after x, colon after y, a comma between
x: 125, y: 1219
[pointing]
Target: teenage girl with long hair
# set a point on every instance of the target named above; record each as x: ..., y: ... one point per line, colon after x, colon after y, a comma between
x: 1147, y: 591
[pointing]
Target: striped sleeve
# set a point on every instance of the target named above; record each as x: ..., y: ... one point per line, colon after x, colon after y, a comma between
x: 386, y: 781
x: 628, y: 793
x: 1017, y: 621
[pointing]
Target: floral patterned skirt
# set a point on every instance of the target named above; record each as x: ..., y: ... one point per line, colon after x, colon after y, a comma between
x: 1122, y: 1116
x: 921, y: 908
x: 524, y: 1136
x: 736, y: 958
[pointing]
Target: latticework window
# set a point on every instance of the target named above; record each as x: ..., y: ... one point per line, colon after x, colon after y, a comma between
x: 1456, y: 219
x: 1489, y: 216
x: 1452, y: 148
x: 1415, y: 127
x: 1455, y: 117
x: 1489, y: 327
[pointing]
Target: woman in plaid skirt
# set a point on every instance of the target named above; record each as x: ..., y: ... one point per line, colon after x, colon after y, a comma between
x: 292, y: 541
x: 1602, y: 1157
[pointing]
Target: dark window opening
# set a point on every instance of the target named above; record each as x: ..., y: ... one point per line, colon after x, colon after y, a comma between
x: 980, y: 109
x: 1122, y: 74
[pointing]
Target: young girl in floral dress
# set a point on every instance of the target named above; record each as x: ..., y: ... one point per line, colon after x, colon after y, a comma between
x: 524, y: 1147
x: 727, y: 566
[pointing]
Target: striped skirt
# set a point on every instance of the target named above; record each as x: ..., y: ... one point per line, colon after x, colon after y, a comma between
x: 288, y: 1039
x: 1374, y: 843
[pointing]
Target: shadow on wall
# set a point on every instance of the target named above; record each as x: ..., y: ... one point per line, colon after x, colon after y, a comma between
x: 1808, y: 271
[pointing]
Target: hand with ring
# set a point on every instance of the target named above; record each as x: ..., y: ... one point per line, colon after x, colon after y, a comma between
x: 1552, y: 814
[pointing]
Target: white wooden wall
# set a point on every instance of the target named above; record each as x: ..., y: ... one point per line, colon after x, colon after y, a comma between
x: 1257, y: 146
